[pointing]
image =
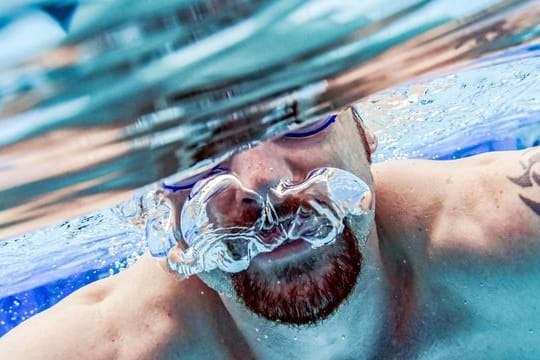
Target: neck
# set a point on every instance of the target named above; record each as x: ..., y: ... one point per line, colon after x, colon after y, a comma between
x: 356, y: 329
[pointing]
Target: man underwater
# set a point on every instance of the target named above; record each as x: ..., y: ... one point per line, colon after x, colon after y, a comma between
x: 449, y: 268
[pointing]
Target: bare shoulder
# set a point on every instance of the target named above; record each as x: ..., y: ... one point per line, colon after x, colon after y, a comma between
x: 483, y: 205
x: 67, y: 329
x: 409, y: 197
x: 135, y: 314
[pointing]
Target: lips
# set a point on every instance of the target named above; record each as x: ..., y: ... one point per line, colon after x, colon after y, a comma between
x: 287, y: 252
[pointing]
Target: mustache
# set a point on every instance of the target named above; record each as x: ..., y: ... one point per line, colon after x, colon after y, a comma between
x: 225, y: 225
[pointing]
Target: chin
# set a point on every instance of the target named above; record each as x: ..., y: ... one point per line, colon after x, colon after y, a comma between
x: 303, y: 289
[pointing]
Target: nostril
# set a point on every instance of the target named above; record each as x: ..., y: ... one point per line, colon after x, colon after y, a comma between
x: 248, y: 201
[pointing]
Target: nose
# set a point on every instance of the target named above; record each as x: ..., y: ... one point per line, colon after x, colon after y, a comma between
x: 262, y: 167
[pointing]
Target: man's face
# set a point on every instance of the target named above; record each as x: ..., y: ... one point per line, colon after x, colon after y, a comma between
x: 295, y: 283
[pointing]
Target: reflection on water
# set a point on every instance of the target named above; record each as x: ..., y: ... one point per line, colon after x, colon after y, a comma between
x: 152, y: 88
x: 452, y: 115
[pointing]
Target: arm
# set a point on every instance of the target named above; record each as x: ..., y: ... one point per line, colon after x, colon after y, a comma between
x: 130, y: 315
x: 70, y: 330
x: 483, y: 205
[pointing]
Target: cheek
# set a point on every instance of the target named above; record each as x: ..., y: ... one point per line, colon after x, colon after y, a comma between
x: 347, y: 153
x: 342, y: 152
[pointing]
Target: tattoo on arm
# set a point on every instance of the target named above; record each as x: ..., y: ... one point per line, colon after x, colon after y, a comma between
x: 530, y: 178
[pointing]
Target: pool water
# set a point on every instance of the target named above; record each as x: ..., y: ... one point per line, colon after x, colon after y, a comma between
x: 489, y: 106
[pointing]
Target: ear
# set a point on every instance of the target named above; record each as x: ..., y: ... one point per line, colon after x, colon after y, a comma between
x: 372, y: 140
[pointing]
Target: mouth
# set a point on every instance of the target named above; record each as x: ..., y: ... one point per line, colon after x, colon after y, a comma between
x: 289, y: 250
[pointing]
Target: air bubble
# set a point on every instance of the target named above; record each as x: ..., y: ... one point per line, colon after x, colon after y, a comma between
x: 212, y: 240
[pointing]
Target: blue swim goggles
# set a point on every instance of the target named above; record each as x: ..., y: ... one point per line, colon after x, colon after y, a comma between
x: 302, y: 132
x: 311, y: 129
x: 188, y: 183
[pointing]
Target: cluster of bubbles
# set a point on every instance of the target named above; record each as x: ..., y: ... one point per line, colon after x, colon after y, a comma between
x: 210, y: 239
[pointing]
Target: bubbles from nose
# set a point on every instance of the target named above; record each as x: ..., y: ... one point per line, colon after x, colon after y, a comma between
x: 227, y: 231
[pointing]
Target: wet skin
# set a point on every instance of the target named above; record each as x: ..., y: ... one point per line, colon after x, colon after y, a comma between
x: 450, y: 267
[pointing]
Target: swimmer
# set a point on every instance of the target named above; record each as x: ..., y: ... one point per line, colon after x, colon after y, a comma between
x: 448, y: 268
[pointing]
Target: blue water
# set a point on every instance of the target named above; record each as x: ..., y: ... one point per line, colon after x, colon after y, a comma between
x: 489, y: 108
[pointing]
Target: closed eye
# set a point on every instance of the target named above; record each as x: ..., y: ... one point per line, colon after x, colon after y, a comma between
x: 311, y: 129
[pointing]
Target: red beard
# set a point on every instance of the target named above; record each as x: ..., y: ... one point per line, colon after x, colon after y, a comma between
x: 304, y: 291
